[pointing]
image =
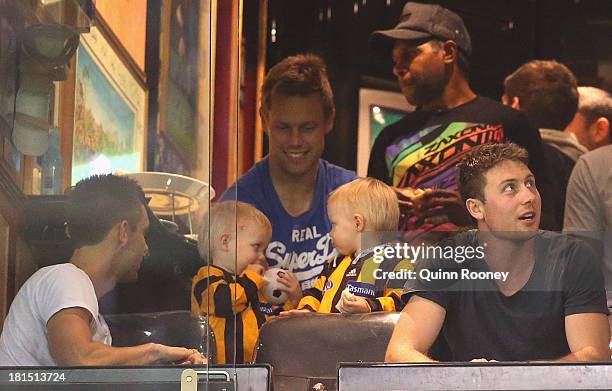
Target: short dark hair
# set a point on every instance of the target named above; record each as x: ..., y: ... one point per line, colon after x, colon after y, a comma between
x: 299, y: 75
x: 99, y: 202
x: 547, y: 92
x: 595, y: 103
x: 477, y: 161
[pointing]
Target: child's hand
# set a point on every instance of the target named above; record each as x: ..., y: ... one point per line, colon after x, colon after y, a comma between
x: 287, y: 314
x: 291, y: 286
x: 351, y: 304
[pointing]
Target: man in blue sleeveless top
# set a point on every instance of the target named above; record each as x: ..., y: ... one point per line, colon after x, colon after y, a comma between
x: 290, y: 185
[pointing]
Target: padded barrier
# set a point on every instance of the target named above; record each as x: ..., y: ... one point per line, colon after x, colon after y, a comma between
x: 175, y: 328
x: 305, y: 350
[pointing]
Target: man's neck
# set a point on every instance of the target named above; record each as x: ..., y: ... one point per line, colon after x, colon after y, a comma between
x: 515, y: 257
x: 95, y: 262
x: 295, y: 192
x: 456, y: 93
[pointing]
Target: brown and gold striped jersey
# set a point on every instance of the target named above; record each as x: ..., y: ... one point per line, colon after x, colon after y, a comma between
x: 357, y: 271
x: 235, y: 308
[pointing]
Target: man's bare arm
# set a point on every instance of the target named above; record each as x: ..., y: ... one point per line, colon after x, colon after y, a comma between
x: 416, y: 330
x: 588, y: 337
x: 70, y: 344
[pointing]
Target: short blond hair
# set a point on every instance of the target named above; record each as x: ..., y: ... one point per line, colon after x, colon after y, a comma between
x: 227, y: 217
x: 374, y: 199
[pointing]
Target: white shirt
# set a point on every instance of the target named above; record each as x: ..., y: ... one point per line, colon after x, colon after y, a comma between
x: 24, y: 335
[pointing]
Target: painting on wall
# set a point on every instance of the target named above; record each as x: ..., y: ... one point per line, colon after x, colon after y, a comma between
x: 377, y: 109
x: 166, y: 158
x: 180, y: 75
x: 109, y: 133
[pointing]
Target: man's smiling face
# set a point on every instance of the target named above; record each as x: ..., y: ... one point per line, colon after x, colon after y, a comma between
x: 296, y: 127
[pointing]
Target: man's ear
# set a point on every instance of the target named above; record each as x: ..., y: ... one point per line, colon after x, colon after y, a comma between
x: 602, y: 131
x: 476, y: 208
x: 359, y: 221
x: 123, y: 228
x: 515, y: 103
x: 451, y: 52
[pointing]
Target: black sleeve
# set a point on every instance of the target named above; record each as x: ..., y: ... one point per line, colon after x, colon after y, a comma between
x: 377, y: 166
x: 583, y: 283
x: 419, y: 287
x: 442, y: 290
x: 432, y: 289
x: 519, y: 130
x: 441, y: 298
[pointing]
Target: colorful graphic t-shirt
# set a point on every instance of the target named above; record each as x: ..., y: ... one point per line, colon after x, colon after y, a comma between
x: 422, y: 149
x: 428, y: 158
x: 300, y: 244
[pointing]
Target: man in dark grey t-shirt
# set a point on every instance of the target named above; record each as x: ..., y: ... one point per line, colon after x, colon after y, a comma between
x: 506, y: 291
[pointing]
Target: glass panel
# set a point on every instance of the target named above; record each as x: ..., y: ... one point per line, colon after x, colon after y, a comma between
x: 103, y: 110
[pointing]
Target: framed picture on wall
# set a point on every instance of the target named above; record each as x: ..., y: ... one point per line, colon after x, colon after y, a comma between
x: 180, y: 75
x: 166, y: 157
x: 377, y: 109
x: 110, y: 108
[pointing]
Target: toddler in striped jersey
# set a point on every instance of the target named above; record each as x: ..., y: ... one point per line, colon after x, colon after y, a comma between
x: 228, y: 291
x: 361, y: 212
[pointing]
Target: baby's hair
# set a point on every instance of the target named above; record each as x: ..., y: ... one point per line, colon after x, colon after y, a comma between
x: 374, y: 199
x: 227, y: 217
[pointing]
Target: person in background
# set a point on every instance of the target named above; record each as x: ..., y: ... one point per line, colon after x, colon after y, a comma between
x: 591, y: 124
x: 430, y: 48
x: 547, y: 92
x: 588, y: 207
x: 54, y: 319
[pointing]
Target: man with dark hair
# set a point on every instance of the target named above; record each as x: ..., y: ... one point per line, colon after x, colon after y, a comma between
x: 523, y: 294
x: 474, y: 165
x: 103, y: 199
x: 54, y: 319
x: 430, y: 49
x: 591, y: 124
x: 547, y: 92
x: 291, y: 184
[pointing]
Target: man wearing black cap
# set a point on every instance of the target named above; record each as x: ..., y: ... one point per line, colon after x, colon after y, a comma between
x: 430, y: 50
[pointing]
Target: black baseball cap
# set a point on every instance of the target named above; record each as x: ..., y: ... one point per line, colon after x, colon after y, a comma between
x: 421, y: 21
